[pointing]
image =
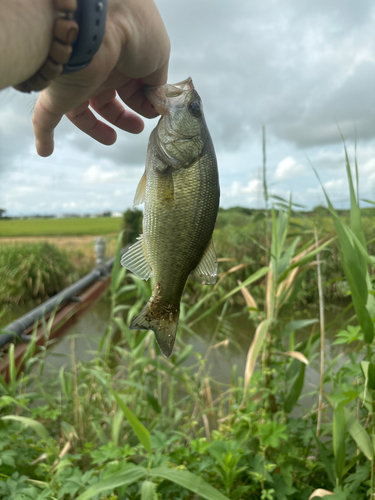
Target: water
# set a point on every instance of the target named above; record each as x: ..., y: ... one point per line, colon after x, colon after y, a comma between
x: 88, y: 331
x: 86, y: 334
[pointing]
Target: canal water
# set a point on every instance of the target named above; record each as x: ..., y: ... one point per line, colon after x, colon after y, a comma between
x: 88, y: 331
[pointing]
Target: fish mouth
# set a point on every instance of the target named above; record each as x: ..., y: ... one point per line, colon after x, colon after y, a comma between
x: 164, y: 97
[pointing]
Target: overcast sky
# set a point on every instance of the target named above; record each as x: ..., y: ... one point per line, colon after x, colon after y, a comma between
x: 304, y: 69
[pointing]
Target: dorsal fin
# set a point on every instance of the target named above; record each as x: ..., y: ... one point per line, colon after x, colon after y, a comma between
x: 135, y: 259
x: 206, y: 271
x: 140, y: 194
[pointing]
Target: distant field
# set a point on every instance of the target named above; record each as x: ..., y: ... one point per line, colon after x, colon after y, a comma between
x: 60, y: 227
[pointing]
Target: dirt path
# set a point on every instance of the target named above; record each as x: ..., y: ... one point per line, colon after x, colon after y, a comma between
x: 57, y: 240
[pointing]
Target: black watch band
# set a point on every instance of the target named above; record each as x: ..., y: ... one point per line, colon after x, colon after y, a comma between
x: 91, y: 18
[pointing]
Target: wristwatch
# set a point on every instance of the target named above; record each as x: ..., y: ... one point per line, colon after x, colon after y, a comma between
x: 78, y: 32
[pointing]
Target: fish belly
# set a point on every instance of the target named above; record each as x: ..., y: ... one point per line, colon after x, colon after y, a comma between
x: 180, y: 213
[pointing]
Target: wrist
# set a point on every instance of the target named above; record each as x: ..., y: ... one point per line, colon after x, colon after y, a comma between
x: 25, y: 38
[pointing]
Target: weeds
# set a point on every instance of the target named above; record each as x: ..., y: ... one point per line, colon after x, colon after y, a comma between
x: 34, y: 272
x: 131, y: 424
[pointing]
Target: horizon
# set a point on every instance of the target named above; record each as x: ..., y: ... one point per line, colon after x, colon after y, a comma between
x: 305, y: 71
x: 119, y: 214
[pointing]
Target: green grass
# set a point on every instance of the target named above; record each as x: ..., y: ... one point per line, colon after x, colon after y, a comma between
x: 60, y: 227
x: 35, y: 272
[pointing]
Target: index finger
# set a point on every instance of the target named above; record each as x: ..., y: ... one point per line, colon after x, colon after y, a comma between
x: 138, y: 102
x: 132, y: 95
x: 132, y: 92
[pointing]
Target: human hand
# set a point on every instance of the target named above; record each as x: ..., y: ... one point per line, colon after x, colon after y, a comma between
x: 134, y: 52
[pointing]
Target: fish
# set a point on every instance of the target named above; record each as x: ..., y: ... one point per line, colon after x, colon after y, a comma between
x: 180, y: 191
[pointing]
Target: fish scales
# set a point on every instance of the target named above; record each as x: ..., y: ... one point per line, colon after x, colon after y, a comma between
x: 180, y: 189
x: 191, y: 219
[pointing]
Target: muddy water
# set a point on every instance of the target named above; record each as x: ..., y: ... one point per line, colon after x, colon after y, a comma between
x: 88, y: 332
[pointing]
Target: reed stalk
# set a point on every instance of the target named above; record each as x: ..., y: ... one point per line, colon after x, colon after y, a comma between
x: 322, y: 335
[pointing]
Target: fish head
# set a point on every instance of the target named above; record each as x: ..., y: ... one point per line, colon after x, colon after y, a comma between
x: 182, y: 131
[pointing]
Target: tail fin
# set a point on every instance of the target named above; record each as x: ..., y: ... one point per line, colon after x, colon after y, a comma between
x: 163, y: 320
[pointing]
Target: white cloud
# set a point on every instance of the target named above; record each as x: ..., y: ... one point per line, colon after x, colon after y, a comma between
x: 288, y: 168
x: 236, y: 189
x: 309, y: 69
x: 111, y: 174
x: 254, y: 186
x: 71, y: 204
x: 330, y: 155
x: 368, y: 167
x: 96, y: 175
x: 11, y: 122
x: 21, y: 191
x: 313, y: 191
x: 336, y: 185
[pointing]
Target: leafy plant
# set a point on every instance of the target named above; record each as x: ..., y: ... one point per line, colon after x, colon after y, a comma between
x: 130, y: 424
x: 34, y: 272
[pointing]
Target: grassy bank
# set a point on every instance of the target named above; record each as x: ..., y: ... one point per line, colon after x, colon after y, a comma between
x: 131, y: 424
x: 60, y: 227
x: 33, y: 272
x: 241, y: 237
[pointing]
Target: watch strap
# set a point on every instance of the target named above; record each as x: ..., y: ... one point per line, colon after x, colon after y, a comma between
x: 78, y: 32
x: 91, y: 17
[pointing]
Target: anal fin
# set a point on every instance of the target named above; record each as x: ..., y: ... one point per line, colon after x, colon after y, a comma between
x: 207, y: 270
x: 135, y: 259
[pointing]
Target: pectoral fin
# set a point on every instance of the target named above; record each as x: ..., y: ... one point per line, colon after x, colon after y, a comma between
x: 140, y: 194
x: 135, y: 260
x: 207, y: 269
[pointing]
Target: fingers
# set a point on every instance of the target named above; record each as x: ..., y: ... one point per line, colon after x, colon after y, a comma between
x: 84, y: 119
x: 107, y: 106
x: 47, y: 115
x: 44, y: 122
x: 131, y: 93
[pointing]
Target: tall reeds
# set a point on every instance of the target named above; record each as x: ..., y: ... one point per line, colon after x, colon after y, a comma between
x: 34, y: 272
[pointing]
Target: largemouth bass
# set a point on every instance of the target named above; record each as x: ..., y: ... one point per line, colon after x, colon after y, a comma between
x: 180, y: 190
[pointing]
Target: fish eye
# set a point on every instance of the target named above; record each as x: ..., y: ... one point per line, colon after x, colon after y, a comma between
x: 195, y: 109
